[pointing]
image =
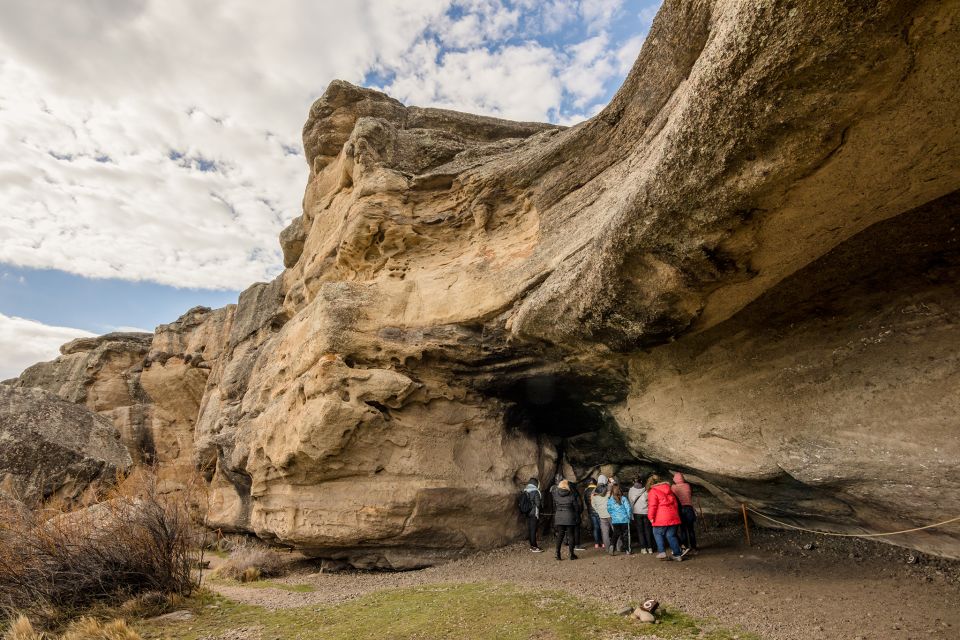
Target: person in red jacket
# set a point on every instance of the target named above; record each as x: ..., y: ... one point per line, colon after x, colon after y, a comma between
x: 664, y: 513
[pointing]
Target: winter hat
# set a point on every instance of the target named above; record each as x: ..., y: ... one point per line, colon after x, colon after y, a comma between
x: 678, y: 477
x: 601, y: 479
x: 534, y: 482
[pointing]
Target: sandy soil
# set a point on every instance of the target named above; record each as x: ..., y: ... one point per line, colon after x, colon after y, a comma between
x: 840, y: 589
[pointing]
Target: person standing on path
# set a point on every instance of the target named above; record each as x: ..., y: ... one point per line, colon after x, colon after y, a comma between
x: 688, y: 515
x: 531, y: 504
x: 618, y: 505
x: 566, y: 516
x: 599, y: 503
x: 662, y: 509
x: 591, y: 513
x: 578, y: 527
x: 638, y: 498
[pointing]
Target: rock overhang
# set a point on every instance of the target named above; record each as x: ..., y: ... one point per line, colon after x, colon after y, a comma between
x: 470, y: 301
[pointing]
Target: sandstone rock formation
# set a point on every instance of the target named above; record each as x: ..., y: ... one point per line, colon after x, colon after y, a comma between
x: 101, y: 373
x: 743, y: 268
x: 54, y: 449
x: 149, y: 385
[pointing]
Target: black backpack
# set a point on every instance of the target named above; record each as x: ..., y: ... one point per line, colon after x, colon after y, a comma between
x: 525, y: 503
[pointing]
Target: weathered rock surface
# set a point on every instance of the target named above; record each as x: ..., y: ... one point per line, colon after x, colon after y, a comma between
x: 744, y: 267
x: 101, y: 373
x: 149, y: 385
x: 832, y: 400
x: 52, y: 448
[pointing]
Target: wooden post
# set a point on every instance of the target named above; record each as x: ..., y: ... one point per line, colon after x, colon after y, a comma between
x: 746, y: 524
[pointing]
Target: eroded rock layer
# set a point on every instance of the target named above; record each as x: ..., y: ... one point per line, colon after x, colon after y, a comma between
x: 744, y: 267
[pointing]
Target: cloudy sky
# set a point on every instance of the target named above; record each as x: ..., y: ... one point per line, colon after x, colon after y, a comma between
x: 150, y: 149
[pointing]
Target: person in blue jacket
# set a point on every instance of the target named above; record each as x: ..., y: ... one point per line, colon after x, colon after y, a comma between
x: 620, y: 514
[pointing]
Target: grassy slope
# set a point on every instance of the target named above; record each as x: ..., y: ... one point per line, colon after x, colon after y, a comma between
x: 467, y: 611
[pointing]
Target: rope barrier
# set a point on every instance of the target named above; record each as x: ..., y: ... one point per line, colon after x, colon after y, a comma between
x: 851, y: 535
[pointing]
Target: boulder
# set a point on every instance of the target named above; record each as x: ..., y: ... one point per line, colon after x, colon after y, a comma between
x: 102, y: 374
x: 51, y: 448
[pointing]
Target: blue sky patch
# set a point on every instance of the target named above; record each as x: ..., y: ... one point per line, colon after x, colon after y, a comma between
x: 98, y: 305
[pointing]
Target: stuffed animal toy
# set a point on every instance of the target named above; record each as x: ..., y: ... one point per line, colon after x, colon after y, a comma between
x: 647, y: 611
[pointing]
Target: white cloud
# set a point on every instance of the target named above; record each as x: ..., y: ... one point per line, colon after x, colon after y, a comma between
x: 159, y: 139
x: 598, y: 13
x: 485, y: 21
x: 647, y: 14
x: 557, y: 14
x: 25, y: 342
x: 589, y: 69
x: 515, y: 82
x: 627, y: 54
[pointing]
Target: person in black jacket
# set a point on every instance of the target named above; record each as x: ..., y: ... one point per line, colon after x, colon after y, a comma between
x: 565, y: 516
x: 593, y: 515
x: 578, y: 527
x: 534, y: 506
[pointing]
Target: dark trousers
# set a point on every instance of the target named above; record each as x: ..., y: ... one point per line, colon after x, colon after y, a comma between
x: 670, y: 533
x: 688, y: 534
x: 595, y: 524
x: 532, y: 523
x: 619, y: 533
x: 644, y: 531
x: 565, y: 531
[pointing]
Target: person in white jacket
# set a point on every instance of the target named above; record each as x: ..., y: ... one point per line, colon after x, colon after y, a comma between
x: 638, y: 498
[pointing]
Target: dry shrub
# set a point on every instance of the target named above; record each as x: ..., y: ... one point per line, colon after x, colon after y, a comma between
x: 90, y: 629
x: 151, y: 604
x: 54, y: 565
x: 21, y: 629
x: 249, y: 561
x: 82, y: 629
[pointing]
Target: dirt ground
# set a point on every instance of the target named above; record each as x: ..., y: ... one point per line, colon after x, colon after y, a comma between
x: 840, y: 589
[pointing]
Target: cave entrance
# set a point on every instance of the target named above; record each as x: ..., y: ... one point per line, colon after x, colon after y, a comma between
x: 564, y: 412
x: 546, y: 405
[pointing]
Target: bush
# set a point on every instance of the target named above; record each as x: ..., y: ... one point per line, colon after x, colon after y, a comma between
x: 249, y: 561
x: 90, y: 629
x: 150, y: 605
x: 82, y: 629
x: 54, y: 565
x: 21, y: 629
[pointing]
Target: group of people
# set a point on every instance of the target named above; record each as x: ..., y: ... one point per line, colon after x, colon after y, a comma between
x: 661, y: 515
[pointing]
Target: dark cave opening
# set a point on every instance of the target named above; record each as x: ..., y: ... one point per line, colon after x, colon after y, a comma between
x: 551, y: 407
x: 566, y: 412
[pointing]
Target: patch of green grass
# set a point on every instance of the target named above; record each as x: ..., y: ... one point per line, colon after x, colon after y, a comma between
x: 676, y: 624
x: 477, y: 611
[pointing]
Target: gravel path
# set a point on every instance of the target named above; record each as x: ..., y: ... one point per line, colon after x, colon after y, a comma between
x: 777, y: 588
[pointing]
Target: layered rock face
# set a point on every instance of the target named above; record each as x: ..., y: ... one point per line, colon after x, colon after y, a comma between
x: 743, y: 268
x: 148, y: 385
